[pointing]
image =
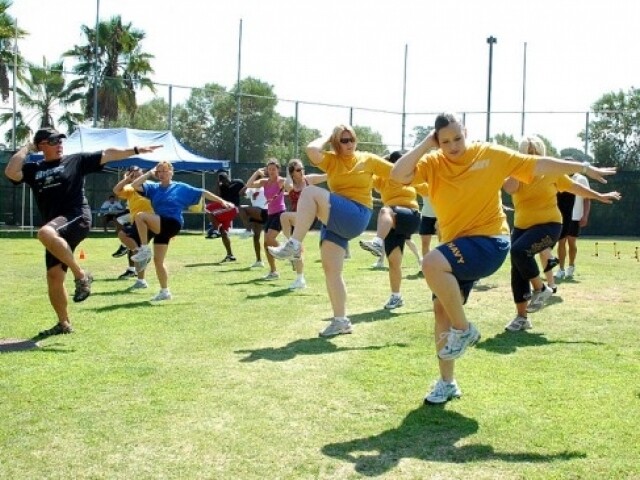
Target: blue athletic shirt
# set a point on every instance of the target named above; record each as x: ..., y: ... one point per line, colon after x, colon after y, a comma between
x: 171, y: 200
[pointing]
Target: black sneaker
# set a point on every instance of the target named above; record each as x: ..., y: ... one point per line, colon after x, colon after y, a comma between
x: 120, y: 252
x: 57, y: 329
x: 228, y: 258
x: 83, y: 288
x: 127, y: 274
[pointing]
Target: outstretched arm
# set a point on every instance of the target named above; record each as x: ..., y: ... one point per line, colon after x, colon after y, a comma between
x: 114, y: 154
x: 555, y: 166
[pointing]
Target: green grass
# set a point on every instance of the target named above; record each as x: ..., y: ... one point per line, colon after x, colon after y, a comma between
x: 229, y: 380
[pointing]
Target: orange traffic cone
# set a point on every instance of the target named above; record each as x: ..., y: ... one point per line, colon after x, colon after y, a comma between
x: 82, y: 255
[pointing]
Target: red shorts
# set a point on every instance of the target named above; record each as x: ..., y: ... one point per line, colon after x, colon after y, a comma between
x: 224, y: 216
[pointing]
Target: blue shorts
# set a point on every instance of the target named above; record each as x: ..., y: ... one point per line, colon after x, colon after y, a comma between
x: 347, y: 220
x: 473, y: 258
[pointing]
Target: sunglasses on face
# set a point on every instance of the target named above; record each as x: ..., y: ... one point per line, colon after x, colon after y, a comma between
x: 347, y: 140
x: 298, y: 170
x: 53, y: 141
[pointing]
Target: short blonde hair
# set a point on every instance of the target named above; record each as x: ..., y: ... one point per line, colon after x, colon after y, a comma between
x: 337, y: 133
x: 166, y: 164
x: 532, y: 145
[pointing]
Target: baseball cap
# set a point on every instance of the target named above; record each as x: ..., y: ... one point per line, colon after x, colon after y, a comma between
x: 45, y: 134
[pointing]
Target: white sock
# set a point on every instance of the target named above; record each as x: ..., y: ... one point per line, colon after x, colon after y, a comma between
x: 378, y: 240
x: 300, y: 277
x: 395, y: 294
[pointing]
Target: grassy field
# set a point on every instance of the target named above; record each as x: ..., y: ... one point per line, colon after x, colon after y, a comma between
x: 229, y: 380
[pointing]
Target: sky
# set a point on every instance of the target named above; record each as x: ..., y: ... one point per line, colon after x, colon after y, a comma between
x: 352, y: 53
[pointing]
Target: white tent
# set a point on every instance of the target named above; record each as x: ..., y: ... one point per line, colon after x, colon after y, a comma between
x: 86, y: 139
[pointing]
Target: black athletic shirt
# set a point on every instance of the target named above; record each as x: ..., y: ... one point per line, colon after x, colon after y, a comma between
x: 58, y: 187
x: 231, y: 192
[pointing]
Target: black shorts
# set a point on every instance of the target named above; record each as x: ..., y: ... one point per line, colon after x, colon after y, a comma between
x: 570, y: 229
x: 169, y: 228
x: 273, y: 222
x: 427, y: 226
x: 407, y: 222
x: 73, y: 230
x: 131, y: 231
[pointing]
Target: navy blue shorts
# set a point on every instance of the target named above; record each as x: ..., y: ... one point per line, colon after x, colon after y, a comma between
x: 347, y: 220
x: 473, y: 258
x: 427, y: 226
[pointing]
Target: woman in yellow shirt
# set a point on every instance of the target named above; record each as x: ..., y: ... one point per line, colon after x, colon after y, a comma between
x: 344, y: 212
x: 464, y: 189
x: 537, y: 225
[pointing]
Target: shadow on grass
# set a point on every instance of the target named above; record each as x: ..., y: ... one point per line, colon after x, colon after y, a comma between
x: 484, y: 287
x: 429, y: 434
x: 308, y: 346
x: 508, y: 342
x: 281, y: 292
x: 30, y: 346
x: 141, y: 303
x: 381, y: 314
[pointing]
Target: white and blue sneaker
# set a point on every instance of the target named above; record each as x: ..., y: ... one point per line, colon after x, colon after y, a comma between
x: 442, y: 392
x: 458, y: 341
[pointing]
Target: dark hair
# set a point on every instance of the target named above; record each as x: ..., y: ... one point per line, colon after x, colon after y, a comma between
x: 393, y: 157
x: 444, y: 120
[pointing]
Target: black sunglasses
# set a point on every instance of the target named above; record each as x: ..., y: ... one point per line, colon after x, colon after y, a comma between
x: 298, y: 169
x: 347, y: 140
x: 53, y: 141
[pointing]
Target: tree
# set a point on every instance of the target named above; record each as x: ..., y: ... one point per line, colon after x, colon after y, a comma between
x: 258, y: 121
x: 419, y: 134
x: 576, y: 154
x: 284, y: 145
x: 45, y: 91
x: 7, y: 38
x: 369, y: 140
x: 506, y: 141
x: 193, y: 122
x: 614, y: 132
x: 153, y: 115
x: 122, y: 68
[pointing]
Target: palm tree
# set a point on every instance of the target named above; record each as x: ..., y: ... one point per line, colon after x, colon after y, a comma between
x: 121, y: 64
x: 7, y: 37
x: 45, y: 91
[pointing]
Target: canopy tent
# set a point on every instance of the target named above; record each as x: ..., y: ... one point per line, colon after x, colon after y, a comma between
x: 86, y: 139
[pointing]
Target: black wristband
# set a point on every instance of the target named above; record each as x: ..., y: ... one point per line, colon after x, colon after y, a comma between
x: 136, y: 151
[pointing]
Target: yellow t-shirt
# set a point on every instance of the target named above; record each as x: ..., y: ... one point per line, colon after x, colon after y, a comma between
x: 394, y: 194
x: 465, y: 194
x: 136, y: 202
x: 343, y: 178
x: 536, y: 203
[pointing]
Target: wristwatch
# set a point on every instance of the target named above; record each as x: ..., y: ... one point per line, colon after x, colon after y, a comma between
x: 585, y: 167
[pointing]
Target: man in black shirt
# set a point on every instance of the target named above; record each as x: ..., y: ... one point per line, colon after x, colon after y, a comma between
x: 57, y: 183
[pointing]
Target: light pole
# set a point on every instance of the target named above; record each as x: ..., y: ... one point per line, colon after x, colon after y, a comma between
x: 491, y: 40
x: 95, y: 67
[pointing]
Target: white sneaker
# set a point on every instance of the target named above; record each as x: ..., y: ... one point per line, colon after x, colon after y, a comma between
x: 257, y: 264
x: 246, y: 234
x: 337, y: 327
x: 372, y: 246
x: 162, y: 295
x: 458, y: 341
x: 271, y: 276
x: 442, y: 392
x: 290, y: 249
x: 143, y: 253
x: 538, y: 299
x: 395, y: 301
x: 299, y: 283
x: 559, y: 275
x: 571, y: 270
x: 518, y: 323
x: 379, y: 264
x: 140, y: 283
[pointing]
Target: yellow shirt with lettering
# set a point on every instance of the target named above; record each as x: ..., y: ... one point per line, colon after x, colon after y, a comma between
x: 394, y: 194
x: 136, y: 202
x: 536, y: 203
x: 352, y: 176
x: 465, y: 193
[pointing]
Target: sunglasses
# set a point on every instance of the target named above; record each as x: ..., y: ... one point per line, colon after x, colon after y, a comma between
x: 53, y: 141
x: 347, y: 140
x: 298, y: 170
